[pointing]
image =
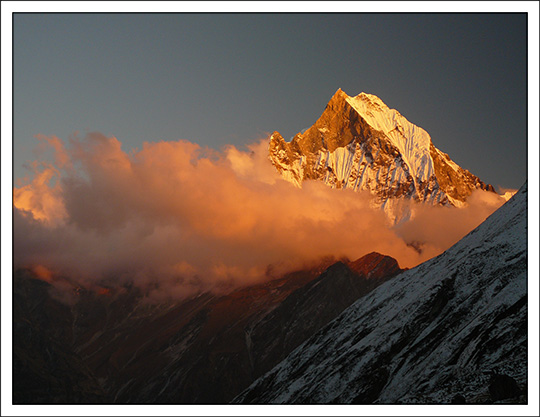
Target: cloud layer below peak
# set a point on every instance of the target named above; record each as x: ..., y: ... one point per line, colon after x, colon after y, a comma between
x: 175, y: 218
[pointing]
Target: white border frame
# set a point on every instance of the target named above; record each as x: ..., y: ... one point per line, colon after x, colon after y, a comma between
x: 9, y: 7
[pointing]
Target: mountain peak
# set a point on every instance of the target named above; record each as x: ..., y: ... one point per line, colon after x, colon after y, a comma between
x: 372, y: 99
x: 340, y: 93
x: 360, y: 143
x: 375, y: 265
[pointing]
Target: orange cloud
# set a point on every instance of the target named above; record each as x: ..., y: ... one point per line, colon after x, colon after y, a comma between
x: 178, y: 218
x: 39, y: 198
x: 43, y: 273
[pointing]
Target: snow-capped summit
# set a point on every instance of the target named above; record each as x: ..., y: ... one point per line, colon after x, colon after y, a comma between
x: 362, y: 144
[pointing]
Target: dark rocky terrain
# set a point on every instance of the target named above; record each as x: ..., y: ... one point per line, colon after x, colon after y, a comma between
x: 46, y: 368
x: 110, y: 346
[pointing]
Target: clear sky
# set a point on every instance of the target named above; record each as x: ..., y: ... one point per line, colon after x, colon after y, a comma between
x: 218, y: 79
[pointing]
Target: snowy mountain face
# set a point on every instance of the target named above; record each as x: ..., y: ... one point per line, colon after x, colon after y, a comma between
x: 452, y: 330
x: 361, y: 144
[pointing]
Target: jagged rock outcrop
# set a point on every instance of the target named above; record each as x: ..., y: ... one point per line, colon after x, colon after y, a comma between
x: 361, y: 144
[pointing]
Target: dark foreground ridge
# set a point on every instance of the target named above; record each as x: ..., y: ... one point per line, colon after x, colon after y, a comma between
x: 111, y: 348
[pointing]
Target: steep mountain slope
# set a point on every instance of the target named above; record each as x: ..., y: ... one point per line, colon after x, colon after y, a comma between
x: 361, y: 144
x: 203, y: 350
x: 453, y: 329
x: 248, y: 332
x: 204, y: 355
x: 312, y: 306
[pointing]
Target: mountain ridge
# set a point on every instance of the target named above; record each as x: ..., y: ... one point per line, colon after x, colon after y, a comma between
x: 452, y: 330
x: 115, y: 347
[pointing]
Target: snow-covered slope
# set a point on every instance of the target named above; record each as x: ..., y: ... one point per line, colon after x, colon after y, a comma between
x: 412, y: 141
x: 360, y: 143
x: 453, y: 329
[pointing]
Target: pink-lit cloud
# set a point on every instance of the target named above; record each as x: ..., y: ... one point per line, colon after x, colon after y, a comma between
x: 177, y: 218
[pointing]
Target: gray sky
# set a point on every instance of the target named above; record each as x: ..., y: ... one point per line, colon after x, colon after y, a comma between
x: 218, y: 79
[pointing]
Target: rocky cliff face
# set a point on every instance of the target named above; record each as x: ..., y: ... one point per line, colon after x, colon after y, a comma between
x: 452, y: 330
x: 361, y: 144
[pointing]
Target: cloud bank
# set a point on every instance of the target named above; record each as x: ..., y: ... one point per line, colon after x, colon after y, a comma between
x: 175, y: 218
